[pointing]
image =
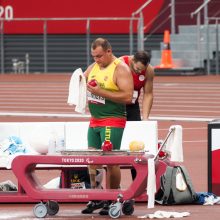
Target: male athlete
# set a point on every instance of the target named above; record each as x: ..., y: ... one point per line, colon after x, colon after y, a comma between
x: 110, y: 88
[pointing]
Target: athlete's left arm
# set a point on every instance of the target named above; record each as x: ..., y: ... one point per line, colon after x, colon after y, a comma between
x: 148, y: 93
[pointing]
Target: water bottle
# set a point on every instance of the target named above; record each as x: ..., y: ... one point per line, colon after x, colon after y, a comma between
x: 60, y: 144
x: 52, y: 144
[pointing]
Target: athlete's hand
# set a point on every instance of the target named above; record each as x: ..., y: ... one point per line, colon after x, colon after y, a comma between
x: 93, y: 87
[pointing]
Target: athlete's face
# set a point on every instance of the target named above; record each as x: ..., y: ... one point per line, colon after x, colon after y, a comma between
x: 100, y: 56
x: 138, y: 67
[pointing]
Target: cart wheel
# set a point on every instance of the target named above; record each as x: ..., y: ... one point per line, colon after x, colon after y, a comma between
x: 40, y: 210
x: 128, y: 207
x: 52, y: 207
x: 115, y: 210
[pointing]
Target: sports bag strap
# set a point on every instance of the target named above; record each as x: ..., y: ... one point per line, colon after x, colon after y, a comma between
x: 188, y: 180
x: 168, y: 183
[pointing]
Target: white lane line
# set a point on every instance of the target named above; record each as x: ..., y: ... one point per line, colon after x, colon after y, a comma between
x: 183, y: 110
x: 45, y: 115
x: 174, y: 105
x: 203, y: 119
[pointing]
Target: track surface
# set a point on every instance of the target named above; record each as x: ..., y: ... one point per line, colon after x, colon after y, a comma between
x: 190, y: 101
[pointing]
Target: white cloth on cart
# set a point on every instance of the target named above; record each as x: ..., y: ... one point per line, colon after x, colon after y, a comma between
x: 77, y: 91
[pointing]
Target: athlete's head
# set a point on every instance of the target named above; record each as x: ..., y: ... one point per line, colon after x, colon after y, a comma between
x: 141, y: 59
x: 101, y: 42
x: 101, y: 51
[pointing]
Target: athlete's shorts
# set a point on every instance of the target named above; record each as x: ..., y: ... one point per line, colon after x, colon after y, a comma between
x: 97, y: 135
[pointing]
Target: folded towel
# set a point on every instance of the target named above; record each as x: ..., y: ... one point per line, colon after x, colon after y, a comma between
x: 77, y: 91
x: 174, y: 144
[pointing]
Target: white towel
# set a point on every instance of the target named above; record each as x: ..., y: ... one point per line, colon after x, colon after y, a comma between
x: 174, y: 144
x: 151, y: 183
x: 77, y: 91
x: 165, y: 214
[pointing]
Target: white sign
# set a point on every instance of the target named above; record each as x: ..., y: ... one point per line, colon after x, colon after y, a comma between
x: 215, y: 139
